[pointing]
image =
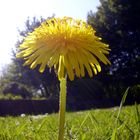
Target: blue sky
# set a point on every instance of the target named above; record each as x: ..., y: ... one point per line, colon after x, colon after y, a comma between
x: 13, y: 14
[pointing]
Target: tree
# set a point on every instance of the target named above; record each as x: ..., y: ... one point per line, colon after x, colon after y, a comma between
x: 32, y: 78
x: 117, y: 22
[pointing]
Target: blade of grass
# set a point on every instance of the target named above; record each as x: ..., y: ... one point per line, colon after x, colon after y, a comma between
x: 94, y: 122
x: 87, y: 116
x: 19, y: 130
x: 126, y: 126
x: 41, y: 125
x: 137, y: 117
x: 122, y: 102
x: 93, y: 119
x: 113, y: 137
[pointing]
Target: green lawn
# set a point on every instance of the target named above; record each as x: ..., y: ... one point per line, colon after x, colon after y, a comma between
x: 98, y: 124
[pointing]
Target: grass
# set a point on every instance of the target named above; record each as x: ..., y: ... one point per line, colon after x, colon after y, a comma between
x: 118, y: 123
x: 101, y: 124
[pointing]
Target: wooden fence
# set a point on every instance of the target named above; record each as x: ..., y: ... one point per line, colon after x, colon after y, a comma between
x: 18, y: 107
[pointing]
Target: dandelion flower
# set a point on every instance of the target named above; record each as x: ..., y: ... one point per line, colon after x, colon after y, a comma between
x: 67, y: 45
x: 70, y: 47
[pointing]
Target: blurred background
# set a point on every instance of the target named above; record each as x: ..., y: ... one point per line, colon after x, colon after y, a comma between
x: 116, y: 22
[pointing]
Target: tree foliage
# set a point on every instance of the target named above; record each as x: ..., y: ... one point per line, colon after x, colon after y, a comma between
x: 117, y: 22
x: 32, y: 78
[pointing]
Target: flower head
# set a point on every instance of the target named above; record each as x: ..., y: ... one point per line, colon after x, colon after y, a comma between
x: 69, y: 46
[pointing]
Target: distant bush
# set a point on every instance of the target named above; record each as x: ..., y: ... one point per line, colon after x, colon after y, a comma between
x: 135, y: 91
x: 9, y: 96
x: 16, y: 90
x: 134, y: 94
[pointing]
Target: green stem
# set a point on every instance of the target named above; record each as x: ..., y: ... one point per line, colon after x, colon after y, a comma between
x: 62, y: 108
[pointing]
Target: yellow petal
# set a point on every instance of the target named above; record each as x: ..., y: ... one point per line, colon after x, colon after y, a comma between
x: 61, y: 67
x: 68, y: 67
x: 94, y: 69
x: 82, y: 71
x: 74, y: 62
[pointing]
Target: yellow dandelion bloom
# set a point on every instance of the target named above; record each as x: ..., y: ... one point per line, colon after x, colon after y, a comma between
x: 70, y: 46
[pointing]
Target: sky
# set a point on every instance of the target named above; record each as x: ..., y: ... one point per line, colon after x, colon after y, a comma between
x: 14, y: 13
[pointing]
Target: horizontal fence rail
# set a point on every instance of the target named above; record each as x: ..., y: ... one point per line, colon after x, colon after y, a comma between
x: 18, y: 107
